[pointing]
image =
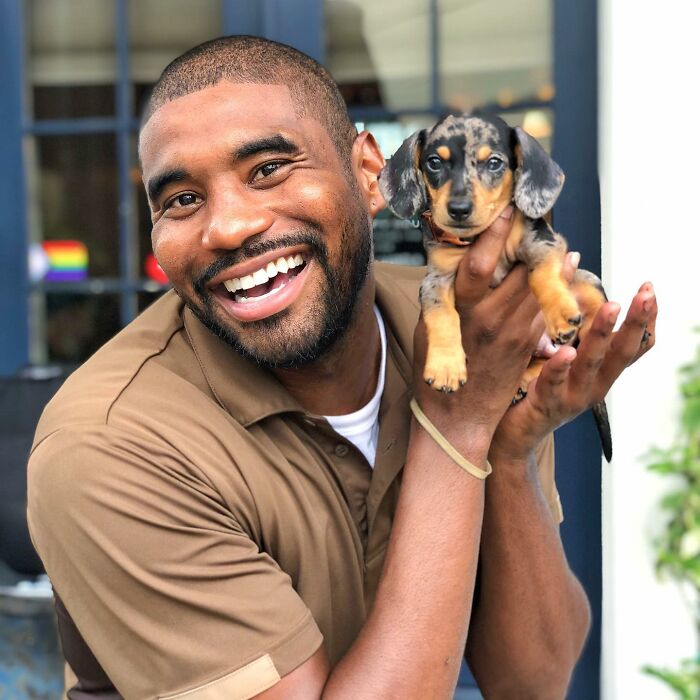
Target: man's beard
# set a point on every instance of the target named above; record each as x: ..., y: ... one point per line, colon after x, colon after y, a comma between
x: 278, y: 341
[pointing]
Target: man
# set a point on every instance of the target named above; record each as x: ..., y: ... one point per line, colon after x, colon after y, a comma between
x: 215, y: 494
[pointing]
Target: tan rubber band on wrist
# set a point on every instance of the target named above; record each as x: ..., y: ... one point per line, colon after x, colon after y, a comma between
x: 444, y: 444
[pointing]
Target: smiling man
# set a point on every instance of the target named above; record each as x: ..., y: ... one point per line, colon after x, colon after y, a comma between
x: 231, y: 497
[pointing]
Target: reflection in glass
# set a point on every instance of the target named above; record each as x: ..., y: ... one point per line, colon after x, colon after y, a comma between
x: 378, y: 52
x: 145, y: 299
x: 161, y: 30
x: 72, y: 59
x: 494, y: 54
x: 77, y: 177
x: 396, y: 240
x: 142, y: 212
x: 539, y: 123
x: 77, y: 325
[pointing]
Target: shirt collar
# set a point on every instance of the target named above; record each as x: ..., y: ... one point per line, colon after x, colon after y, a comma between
x: 250, y: 393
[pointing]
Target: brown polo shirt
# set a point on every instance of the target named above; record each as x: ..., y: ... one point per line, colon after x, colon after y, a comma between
x: 205, y: 533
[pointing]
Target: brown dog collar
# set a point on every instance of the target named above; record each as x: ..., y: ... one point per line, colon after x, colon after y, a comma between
x: 439, y: 235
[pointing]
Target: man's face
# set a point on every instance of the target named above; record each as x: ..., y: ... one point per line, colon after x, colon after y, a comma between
x: 256, y: 222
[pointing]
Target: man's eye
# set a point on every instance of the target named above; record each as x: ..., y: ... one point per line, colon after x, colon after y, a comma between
x: 266, y: 170
x: 185, y: 200
x: 434, y: 163
x: 494, y: 164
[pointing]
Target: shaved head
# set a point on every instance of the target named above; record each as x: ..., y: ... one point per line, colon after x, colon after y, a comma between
x: 248, y: 59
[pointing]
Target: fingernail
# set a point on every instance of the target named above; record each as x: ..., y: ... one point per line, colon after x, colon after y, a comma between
x: 615, y: 312
x: 507, y: 213
x: 575, y: 259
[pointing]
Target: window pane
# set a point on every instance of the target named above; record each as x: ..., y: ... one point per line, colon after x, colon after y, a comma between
x: 144, y: 228
x: 145, y: 299
x: 146, y: 268
x: 161, y: 30
x: 539, y: 123
x: 72, y: 60
x: 76, y: 190
x: 495, y: 53
x: 76, y: 325
x: 396, y: 240
x: 379, y: 52
x: 73, y: 101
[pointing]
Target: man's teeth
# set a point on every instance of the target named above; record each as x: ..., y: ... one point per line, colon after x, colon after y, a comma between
x: 264, y: 273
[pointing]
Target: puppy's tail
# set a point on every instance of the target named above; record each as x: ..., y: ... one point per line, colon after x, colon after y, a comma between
x: 602, y: 423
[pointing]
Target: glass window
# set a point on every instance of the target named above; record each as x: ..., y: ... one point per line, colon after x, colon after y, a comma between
x: 161, y: 30
x: 145, y: 299
x: 379, y: 52
x: 77, y: 186
x: 142, y: 212
x: 76, y: 325
x: 396, y: 240
x: 539, y: 123
x: 494, y: 54
x: 72, y: 57
x: 77, y: 193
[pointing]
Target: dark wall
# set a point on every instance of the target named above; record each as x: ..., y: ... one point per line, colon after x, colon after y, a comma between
x: 577, y: 216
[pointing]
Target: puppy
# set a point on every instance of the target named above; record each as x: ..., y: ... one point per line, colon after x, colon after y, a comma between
x: 456, y: 179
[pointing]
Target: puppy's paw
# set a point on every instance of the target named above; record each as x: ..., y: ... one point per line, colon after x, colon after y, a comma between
x: 563, y: 320
x: 445, y: 370
x: 532, y: 372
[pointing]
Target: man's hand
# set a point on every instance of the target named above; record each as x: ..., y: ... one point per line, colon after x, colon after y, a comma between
x: 573, y: 380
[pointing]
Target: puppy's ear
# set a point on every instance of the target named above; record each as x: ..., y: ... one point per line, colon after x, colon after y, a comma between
x: 401, y: 182
x: 538, y: 179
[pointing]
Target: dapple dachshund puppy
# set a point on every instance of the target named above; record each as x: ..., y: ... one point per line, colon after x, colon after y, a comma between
x: 457, y: 178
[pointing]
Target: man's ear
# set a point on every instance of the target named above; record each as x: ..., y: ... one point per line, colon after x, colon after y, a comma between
x: 369, y: 161
x: 538, y: 179
x: 401, y: 181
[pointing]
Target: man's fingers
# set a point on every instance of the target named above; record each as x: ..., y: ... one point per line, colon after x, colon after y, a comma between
x: 571, y: 262
x: 635, y: 336
x: 512, y: 291
x: 540, y: 340
x: 649, y: 337
x: 490, y: 243
x: 551, y: 385
x: 511, y: 303
x: 476, y: 269
x: 593, y: 349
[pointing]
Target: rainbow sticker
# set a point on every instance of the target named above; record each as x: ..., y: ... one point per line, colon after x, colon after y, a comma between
x: 68, y: 261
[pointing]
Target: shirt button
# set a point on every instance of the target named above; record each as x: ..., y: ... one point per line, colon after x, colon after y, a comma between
x: 341, y: 450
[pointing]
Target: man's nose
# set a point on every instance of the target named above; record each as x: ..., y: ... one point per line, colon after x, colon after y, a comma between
x: 234, y: 219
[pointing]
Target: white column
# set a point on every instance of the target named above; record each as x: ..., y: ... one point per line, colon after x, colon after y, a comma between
x: 650, y: 189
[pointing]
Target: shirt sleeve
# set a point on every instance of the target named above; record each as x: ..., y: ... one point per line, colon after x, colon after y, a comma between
x: 172, y: 597
x: 545, y: 463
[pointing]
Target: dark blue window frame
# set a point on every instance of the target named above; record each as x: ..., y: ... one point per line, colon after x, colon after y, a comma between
x: 300, y: 23
x: 14, y: 293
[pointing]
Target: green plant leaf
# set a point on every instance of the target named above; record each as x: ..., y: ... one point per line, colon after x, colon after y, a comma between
x: 678, y: 546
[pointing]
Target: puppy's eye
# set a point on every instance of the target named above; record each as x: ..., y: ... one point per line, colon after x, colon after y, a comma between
x: 493, y: 164
x: 434, y: 163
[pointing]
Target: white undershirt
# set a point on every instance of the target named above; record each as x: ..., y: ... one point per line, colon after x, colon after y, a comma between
x: 361, y: 427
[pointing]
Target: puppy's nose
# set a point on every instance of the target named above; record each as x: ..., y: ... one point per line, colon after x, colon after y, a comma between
x: 459, y: 209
